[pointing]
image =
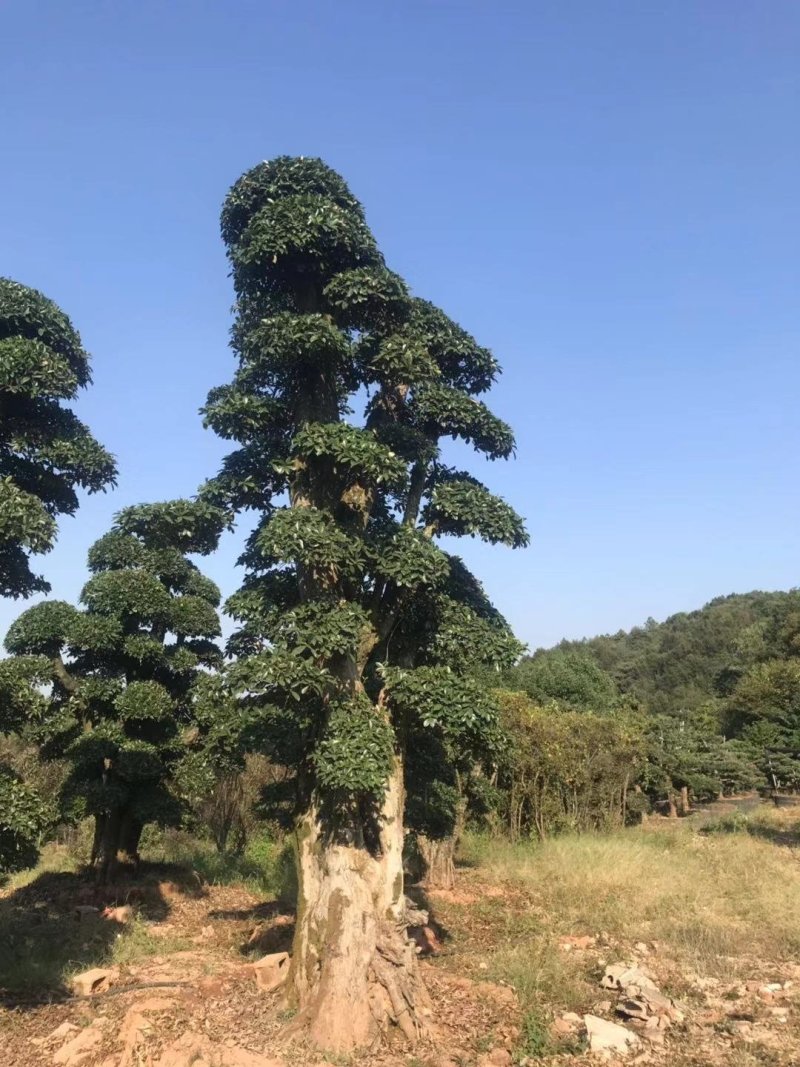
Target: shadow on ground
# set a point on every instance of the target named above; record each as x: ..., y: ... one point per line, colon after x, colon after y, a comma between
x: 54, y: 927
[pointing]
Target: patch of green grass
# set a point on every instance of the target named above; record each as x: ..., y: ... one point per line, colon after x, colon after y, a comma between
x: 266, y: 867
x: 135, y: 942
x: 541, y: 975
x: 53, y: 857
x: 735, y: 823
x: 702, y: 895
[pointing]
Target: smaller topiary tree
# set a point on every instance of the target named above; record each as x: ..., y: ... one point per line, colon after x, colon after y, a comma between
x: 123, y: 671
x: 45, y: 451
x: 24, y: 815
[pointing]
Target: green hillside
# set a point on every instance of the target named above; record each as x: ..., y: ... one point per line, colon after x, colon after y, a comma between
x: 681, y: 663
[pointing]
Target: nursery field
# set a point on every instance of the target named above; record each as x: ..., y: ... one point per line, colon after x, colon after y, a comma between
x: 525, y: 959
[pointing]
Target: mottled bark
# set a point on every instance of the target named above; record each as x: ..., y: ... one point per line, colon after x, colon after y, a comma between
x: 353, y: 970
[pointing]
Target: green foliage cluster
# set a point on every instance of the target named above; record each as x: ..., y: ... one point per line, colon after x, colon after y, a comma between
x: 46, y: 453
x: 122, y: 672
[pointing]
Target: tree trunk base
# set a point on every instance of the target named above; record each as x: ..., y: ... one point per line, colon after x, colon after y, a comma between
x: 439, y: 861
x: 395, y: 997
x: 354, y: 973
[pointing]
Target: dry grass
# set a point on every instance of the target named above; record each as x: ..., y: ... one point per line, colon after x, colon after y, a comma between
x: 703, y: 895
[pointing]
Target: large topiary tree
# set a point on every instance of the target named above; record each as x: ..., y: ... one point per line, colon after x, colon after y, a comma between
x: 45, y: 451
x: 123, y: 671
x: 354, y: 624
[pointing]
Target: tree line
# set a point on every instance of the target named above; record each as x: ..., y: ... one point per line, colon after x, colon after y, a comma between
x: 708, y: 701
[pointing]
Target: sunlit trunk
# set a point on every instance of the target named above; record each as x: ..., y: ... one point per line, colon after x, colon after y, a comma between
x: 353, y: 970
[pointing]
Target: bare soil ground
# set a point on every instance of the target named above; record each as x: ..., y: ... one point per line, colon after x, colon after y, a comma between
x: 523, y: 942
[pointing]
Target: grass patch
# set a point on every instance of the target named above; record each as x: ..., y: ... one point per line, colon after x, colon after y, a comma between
x: 704, y: 895
x: 266, y: 867
x: 53, y: 857
x: 135, y: 942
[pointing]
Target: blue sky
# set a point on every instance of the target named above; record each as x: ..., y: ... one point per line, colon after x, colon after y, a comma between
x: 603, y: 192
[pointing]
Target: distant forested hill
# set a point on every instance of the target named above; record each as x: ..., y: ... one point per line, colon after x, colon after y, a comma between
x: 669, y: 667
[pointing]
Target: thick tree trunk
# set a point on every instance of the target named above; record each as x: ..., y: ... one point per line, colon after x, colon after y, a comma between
x: 129, y: 838
x: 107, y: 834
x: 353, y: 970
x: 438, y: 856
x: 115, y: 832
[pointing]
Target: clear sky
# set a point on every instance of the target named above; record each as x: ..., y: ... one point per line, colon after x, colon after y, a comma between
x: 603, y: 192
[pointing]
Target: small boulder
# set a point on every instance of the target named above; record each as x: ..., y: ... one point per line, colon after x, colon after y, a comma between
x: 623, y: 975
x: 425, y: 939
x: 97, y: 980
x: 77, y: 1050
x: 561, y: 1027
x: 271, y: 971
x: 414, y: 915
x: 605, y: 1036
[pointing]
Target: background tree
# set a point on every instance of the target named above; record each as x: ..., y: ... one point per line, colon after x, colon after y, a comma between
x: 123, y: 671
x: 564, y: 770
x: 349, y: 612
x: 764, y: 713
x: 45, y: 451
x: 24, y: 813
x: 572, y: 678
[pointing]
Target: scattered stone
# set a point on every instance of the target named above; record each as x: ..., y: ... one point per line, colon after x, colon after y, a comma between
x: 63, y: 1031
x: 641, y: 1000
x: 622, y: 975
x: 414, y: 915
x: 271, y: 971
x: 97, y: 980
x: 642, y: 948
x: 571, y: 1017
x: 77, y: 1050
x: 605, y: 1036
x: 427, y: 942
x: 562, y: 1027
